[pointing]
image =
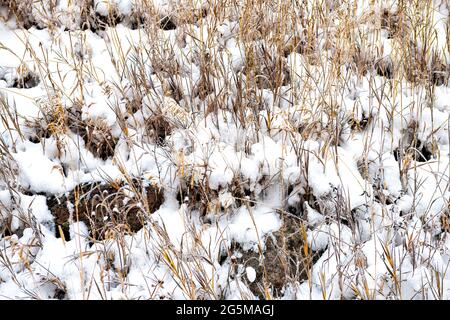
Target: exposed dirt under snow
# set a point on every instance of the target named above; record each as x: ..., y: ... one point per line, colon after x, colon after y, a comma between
x: 189, y: 150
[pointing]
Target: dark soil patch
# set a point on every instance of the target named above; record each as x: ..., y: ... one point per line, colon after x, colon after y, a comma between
x: 284, y: 259
x: 5, y: 230
x: 105, y: 208
x: 391, y: 22
x: 100, y: 23
x: 384, y: 68
x: 96, y: 134
x: 167, y: 23
x: 418, y: 150
x: 439, y: 73
x: 60, y: 294
x: 240, y: 191
x: 198, y: 196
x: 158, y: 128
x: 445, y: 219
x: 136, y: 22
x: 359, y: 124
x: 27, y: 81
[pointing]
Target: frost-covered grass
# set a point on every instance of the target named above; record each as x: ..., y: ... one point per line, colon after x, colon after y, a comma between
x: 226, y: 149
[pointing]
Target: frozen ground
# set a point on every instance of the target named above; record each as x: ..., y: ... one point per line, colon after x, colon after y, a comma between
x: 224, y: 149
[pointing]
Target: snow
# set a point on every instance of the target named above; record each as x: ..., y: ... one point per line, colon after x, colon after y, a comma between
x: 249, y: 226
x: 251, y: 274
x: 104, y: 7
x: 40, y: 173
x: 367, y: 212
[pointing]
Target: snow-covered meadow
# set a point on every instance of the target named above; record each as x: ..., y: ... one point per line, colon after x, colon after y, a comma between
x: 225, y: 149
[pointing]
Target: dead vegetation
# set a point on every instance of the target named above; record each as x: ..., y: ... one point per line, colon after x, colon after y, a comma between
x: 107, y: 210
x: 286, y: 258
x: 395, y: 45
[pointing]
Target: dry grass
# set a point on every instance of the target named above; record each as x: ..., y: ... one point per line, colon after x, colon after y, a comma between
x: 303, y: 56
